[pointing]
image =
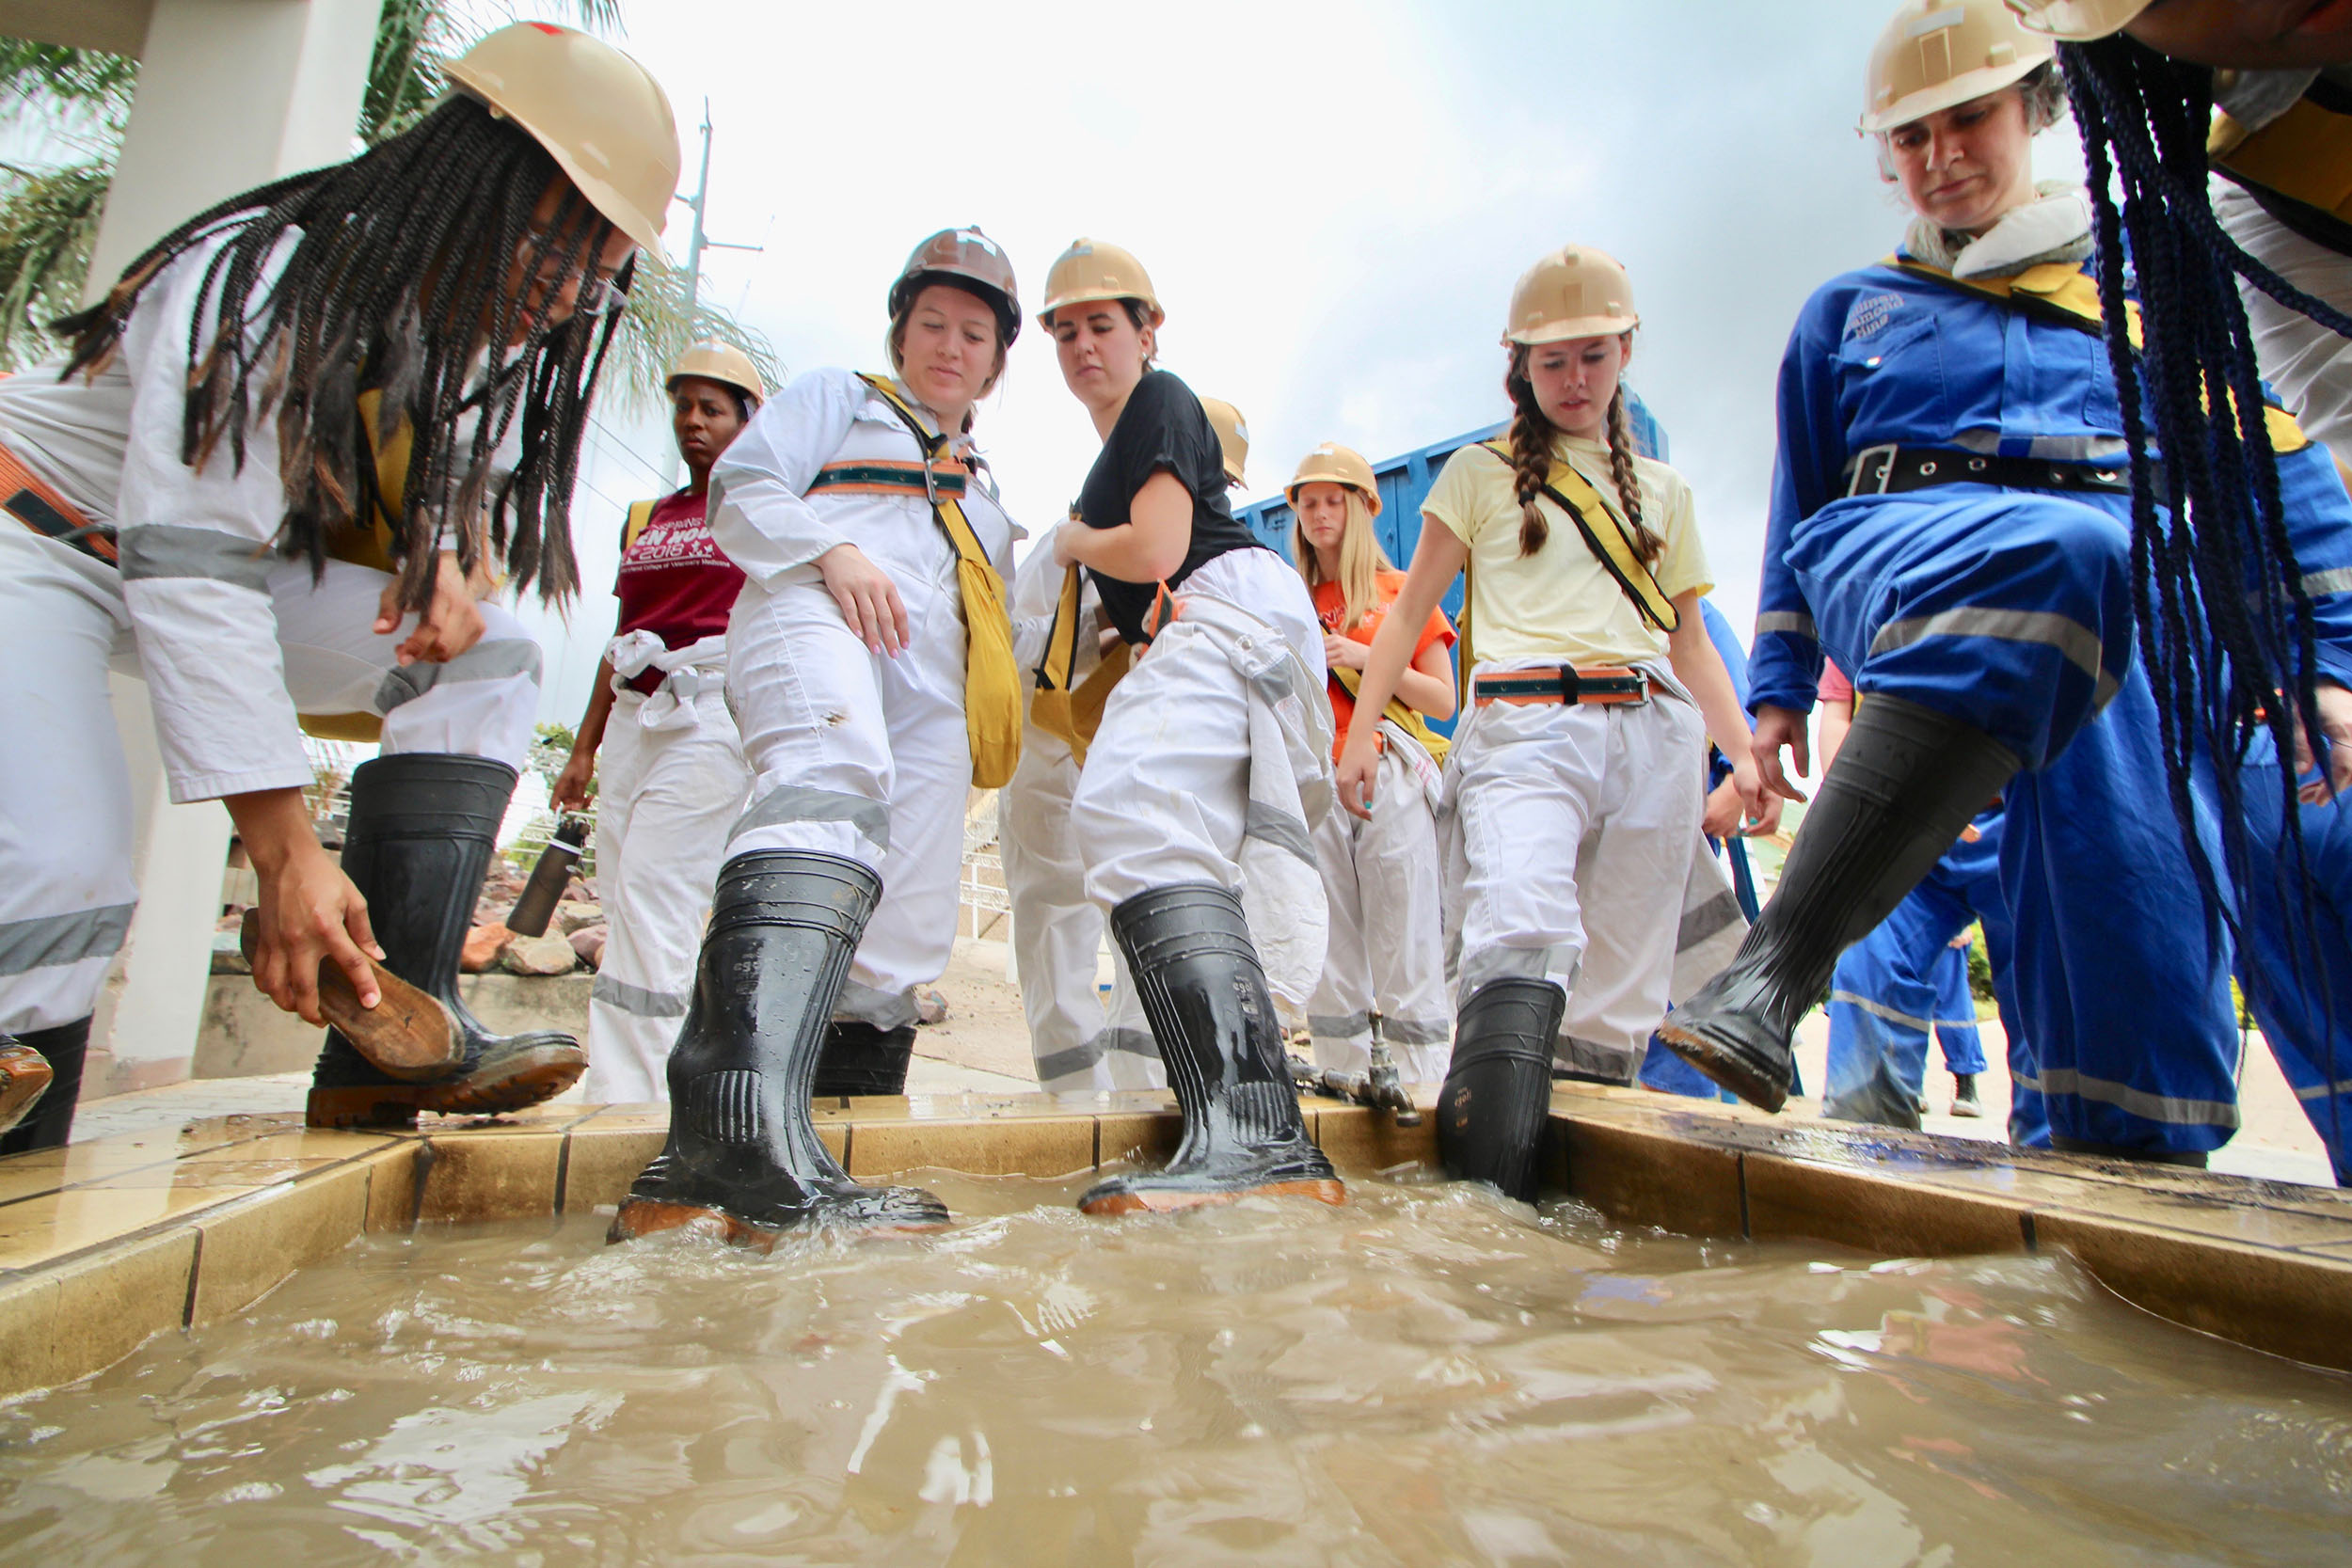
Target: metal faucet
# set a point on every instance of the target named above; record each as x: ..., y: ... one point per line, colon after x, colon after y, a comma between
x: 1380, y: 1089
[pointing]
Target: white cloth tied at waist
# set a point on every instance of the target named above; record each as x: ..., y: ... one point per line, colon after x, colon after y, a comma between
x: 1415, y: 756
x: 1291, y: 791
x: 686, y: 673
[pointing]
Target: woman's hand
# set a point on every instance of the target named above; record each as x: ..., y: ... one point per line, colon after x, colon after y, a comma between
x: 452, y: 622
x: 571, y: 786
x: 1359, y: 761
x: 868, y: 600
x: 1344, y: 653
x: 1747, y: 780
x: 1063, y: 537
x: 1720, y: 819
x: 2335, y: 722
x: 1779, y: 728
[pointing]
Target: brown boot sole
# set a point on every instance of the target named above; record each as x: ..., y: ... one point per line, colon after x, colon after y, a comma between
x: 1169, y: 1201
x: 408, y: 1035
x: 543, y: 1075
x: 24, y: 1076
x: 640, y: 1217
x: 1732, y: 1071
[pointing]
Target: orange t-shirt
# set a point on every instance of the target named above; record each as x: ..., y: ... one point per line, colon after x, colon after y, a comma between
x: 1331, y: 605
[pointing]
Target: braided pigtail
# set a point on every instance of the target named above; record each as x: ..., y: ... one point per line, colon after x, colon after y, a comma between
x: 1531, y: 453
x: 1646, y: 543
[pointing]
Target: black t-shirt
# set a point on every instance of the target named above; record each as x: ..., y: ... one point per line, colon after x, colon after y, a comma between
x: 1163, y: 427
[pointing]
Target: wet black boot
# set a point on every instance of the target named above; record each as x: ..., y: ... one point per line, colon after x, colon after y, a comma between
x: 1906, y: 781
x: 1498, y: 1090
x: 1202, y: 986
x: 424, y: 826
x: 859, y: 1059
x: 38, y: 1120
x: 742, y: 1153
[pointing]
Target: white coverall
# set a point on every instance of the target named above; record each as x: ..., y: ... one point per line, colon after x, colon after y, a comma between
x: 1568, y: 830
x: 671, y: 782
x: 1167, y: 795
x: 1387, y: 948
x: 852, y: 753
x: 1056, y: 931
x: 233, y: 640
x: 2308, y: 364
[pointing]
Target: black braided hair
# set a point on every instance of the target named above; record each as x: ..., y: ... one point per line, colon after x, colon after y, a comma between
x: 395, y: 279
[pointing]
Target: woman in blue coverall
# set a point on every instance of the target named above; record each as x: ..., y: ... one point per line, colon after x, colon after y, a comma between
x: 1950, y: 521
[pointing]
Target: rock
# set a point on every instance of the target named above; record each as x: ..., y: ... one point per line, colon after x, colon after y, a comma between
x: 588, y: 942
x: 930, y: 1007
x: 493, y: 911
x: 484, y: 945
x: 572, y: 916
x: 548, y: 954
x: 576, y: 891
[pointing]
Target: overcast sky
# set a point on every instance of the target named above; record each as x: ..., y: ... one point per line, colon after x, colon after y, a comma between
x: 1332, y: 201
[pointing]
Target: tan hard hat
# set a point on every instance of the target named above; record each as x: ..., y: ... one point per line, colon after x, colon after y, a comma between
x: 1576, y: 292
x: 1333, y: 463
x: 1096, y: 269
x: 1940, y: 54
x: 968, y: 255
x: 1232, y: 434
x: 600, y: 114
x: 2079, y: 20
x: 721, y: 362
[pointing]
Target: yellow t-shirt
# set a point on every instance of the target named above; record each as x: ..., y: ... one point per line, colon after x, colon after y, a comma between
x: 1560, y: 604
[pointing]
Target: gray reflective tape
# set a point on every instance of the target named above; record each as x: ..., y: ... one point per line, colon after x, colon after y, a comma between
x: 2336, y: 579
x: 1068, y: 1064
x: 1595, y: 1059
x: 2139, y: 1102
x: 637, y: 999
x: 1135, y: 1042
x: 1280, y: 828
x: 1787, y: 621
x: 802, y: 803
x: 1511, y: 963
x: 1339, y: 1026
x: 2325, y: 1091
x: 884, y: 1009
x: 2076, y: 641
x: 154, y: 550
x: 1879, y: 1009
x: 1711, y: 919
x: 500, y: 659
x: 1416, y: 1031
x: 54, y: 941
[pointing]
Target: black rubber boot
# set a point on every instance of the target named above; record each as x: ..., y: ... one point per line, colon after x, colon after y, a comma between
x: 1965, y: 1101
x: 1199, y: 977
x: 1904, y: 786
x: 859, y: 1059
x: 1498, y: 1088
x: 424, y: 826
x: 742, y: 1153
x: 45, y: 1120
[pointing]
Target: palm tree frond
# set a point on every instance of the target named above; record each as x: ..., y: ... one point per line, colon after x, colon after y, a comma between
x: 48, y: 224
x: 657, y: 327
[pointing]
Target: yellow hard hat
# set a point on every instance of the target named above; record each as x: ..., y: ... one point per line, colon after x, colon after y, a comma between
x: 2079, y: 20
x: 1333, y: 463
x: 1939, y: 54
x: 1232, y: 434
x: 971, y: 259
x: 722, y: 362
x: 1576, y: 292
x: 1096, y: 269
x: 601, y: 114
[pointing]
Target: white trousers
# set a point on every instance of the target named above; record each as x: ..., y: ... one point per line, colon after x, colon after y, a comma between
x: 860, y: 755
x: 2308, y: 363
x: 1569, y: 832
x: 665, y: 799
x: 66, y: 884
x: 1057, y: 933
x: 1387, y: 945
x: 1165, y: 794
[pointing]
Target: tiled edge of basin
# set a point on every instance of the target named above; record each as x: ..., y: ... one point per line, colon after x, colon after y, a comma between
x: 109, y: 1243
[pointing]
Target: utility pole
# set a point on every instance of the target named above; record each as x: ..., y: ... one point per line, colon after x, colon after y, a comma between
x: 696, y: 243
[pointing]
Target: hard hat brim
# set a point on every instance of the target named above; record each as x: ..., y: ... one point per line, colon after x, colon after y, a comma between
x: 1045, y: 311
x: 1371, y: 498
x: 2081, y: 21
x: 751, y: 393
x: 1579, y: 327
x: 644, y: 228
x: 1965, y: 87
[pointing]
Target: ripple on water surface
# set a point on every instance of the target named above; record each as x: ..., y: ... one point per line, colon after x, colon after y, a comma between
x: 1426, y: 1375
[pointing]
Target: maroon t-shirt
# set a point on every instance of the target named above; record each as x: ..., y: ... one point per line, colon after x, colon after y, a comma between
x: 674, y: 579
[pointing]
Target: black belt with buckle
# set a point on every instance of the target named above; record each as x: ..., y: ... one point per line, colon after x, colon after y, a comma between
x: 1565, y: 685
x: 1891, y: 470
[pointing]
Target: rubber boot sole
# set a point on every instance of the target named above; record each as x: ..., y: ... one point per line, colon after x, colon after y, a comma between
x: 24, y: 1076
x: 1725, y: 1061
x: 524, y: 1081
x: 408, y: 1035
x: 1170, y: 1201
x: 642, y: 1217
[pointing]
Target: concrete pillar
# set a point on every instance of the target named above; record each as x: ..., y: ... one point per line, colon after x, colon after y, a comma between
x: 231, y: 94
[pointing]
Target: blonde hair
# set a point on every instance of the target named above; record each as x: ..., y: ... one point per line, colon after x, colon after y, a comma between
x: 1361, y: 557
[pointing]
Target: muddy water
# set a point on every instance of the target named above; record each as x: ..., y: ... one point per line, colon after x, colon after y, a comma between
x: 1426, y: 1376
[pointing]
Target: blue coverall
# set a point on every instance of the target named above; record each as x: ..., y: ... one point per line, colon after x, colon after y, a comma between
x: 2008, y: 610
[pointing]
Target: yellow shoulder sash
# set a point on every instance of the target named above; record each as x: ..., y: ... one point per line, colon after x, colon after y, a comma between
x: 1568, y: 491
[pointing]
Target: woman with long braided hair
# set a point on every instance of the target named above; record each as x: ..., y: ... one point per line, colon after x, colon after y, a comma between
x: 1576, y: 784
x: 281, y: 447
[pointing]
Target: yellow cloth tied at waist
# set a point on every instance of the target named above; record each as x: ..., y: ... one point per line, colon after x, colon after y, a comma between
x: 991, y: 677
x: 1070, y: 716
x: 1396, y: 713
x: 369, y: 545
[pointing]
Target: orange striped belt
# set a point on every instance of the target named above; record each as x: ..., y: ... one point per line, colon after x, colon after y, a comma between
x: 31, y: 501
x: 1609, y: 685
